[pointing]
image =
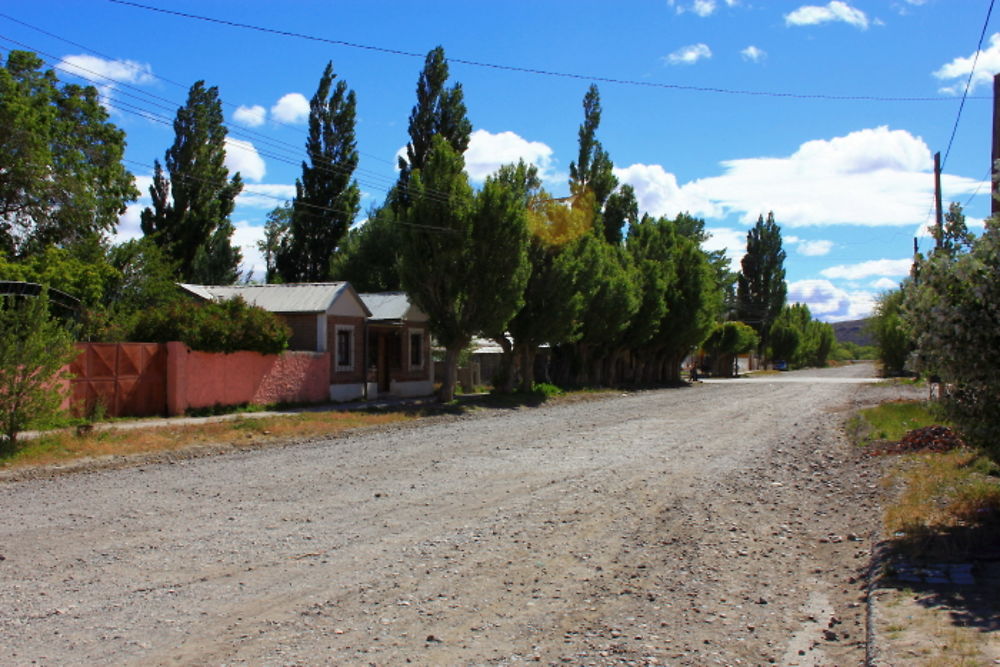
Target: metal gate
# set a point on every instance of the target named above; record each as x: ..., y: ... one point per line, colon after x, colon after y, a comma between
x: 119, y: 379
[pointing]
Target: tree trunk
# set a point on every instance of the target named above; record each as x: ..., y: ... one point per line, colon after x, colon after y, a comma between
x: 447, y: 392
x: 506, y: 375
x: 527, y: 356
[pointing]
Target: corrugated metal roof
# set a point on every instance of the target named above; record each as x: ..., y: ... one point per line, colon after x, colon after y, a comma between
x: 387, y: 305
x: 287, y: 298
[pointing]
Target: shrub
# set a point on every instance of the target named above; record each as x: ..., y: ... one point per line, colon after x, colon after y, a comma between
x: 226, y: 326
x: 34, y: 348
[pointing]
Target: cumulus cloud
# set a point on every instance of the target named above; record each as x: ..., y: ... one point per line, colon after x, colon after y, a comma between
x: 958, y: 69
x: 831, y: 12
x: 753, y: 54
x: 732, y: 241
x: 658, y: 193
x: 242, y: 156
x: 814, y: 248
x: 245, y: 237
x: 250, y: 116
x: 830, y: 303
x: 488, y: 151
x: 265, y: 196
x: 101, y: 71
x: 884, y: 284
x: 869, y: 269
x: 689, y: 55
x: 703, y: 8
x: 291, y: 108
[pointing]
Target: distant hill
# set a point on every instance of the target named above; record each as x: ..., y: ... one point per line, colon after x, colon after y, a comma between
x: 855, y: 331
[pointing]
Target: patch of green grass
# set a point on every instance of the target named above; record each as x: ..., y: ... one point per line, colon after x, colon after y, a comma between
x: 891, y: 421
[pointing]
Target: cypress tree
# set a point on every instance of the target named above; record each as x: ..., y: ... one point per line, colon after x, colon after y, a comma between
x: 761, y: 288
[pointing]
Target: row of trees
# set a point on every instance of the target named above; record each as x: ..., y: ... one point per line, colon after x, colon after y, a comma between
x: 945, y: 320
x: 621, y: 298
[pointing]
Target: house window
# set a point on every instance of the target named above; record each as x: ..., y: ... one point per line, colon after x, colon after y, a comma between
x: 416, y: 348
x: 345, y: 348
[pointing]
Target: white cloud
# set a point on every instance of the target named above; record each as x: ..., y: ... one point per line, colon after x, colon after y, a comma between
x: 886, y: 172
x: 243, y: 157
x: 659, y: 194
x: 832, y: 11
x: 703, y: 8
x: 733, y: 241
x: 100, y: 71
x: 830, y: 303
x: 265, y: 196
x: 689, y: 55
x: 245, y: 237
x: 487, y: 152
x: 869, y: 269
x: 814, y: 248
x: 884, y: 284
x: 250, y: 116
x: 291, y: 108
x: 753, y: 54
x: 958, y: 69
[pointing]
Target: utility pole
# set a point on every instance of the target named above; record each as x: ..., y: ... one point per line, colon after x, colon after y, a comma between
x: 995, y: 209
x: 939, y: 214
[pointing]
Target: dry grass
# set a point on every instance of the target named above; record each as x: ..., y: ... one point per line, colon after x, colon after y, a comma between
x: 62, y: 446
x: 945, y: 497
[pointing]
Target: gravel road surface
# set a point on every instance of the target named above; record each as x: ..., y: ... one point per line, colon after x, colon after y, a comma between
x: 725, y: 523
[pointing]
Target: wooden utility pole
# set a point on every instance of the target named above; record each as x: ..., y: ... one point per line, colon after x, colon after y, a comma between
x: 938, y: 213
x: 996, y: 145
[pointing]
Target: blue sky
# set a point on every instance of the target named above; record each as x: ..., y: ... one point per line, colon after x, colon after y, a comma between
x: 827, y: 113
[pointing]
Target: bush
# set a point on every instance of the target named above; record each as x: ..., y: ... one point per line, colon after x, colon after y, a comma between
x: 34, y: 348
x: 226, y: 326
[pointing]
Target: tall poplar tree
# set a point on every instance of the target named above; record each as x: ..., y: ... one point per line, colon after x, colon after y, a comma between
x: 439, y: 111
x: 593, y: 169
x: 761, y: 288
x: 463, y: 255
x: 189, y: 218
x: 327, y: 198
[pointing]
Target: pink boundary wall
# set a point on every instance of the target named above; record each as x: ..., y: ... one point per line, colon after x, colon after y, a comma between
x: 203, y: 379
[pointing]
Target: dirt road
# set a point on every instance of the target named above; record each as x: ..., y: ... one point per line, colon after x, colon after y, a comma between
x: 720, y: 524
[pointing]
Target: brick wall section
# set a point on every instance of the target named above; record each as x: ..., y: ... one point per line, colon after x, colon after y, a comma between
x: 204, y: 379
x: 406, y: 374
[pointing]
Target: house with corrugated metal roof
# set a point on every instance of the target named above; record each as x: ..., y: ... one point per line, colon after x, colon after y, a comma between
x: 323, y: 317
x: 379, y: 344
x: 399, y: 346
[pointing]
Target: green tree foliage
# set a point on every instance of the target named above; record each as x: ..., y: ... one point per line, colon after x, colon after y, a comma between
x: 61, y: 176
x: 954, y: 237
x: 368, y: 258
x: 553, y: 300
x: 761, y: 288
x: 463, y: 259
x: 275, y: 237
x: 727, y: 340
x: 439, y: 111
x: 889, y: 329
x: 189, y: 218
x: 327, y: 198
x: 593, y: 169
x: 952, y: 309
x: 813, y: 340
x: 620, y: 212
x: 226, y: 326
x: 34, y: 348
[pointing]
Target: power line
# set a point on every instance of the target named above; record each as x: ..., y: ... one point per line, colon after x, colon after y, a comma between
x: 968, y: 83
x: 538, y: 71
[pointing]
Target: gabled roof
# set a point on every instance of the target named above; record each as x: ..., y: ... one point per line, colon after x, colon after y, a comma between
x: 391, y: 306
x: 282, y: 298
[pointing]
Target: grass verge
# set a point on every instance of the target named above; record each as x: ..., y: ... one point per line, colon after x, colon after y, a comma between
x: 62, y: 446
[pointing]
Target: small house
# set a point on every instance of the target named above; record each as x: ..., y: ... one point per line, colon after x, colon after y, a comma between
x: 323, y: 317
x: 399, y: 347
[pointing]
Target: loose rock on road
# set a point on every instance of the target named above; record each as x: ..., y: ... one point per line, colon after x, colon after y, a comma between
x: 724, y: 523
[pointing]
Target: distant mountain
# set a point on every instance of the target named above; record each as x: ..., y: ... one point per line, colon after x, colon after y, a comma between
x: 855, y: 331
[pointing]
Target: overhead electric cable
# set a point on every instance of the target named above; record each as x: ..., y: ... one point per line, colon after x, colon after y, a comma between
x: 968, y: 83
x: 538, y: 71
